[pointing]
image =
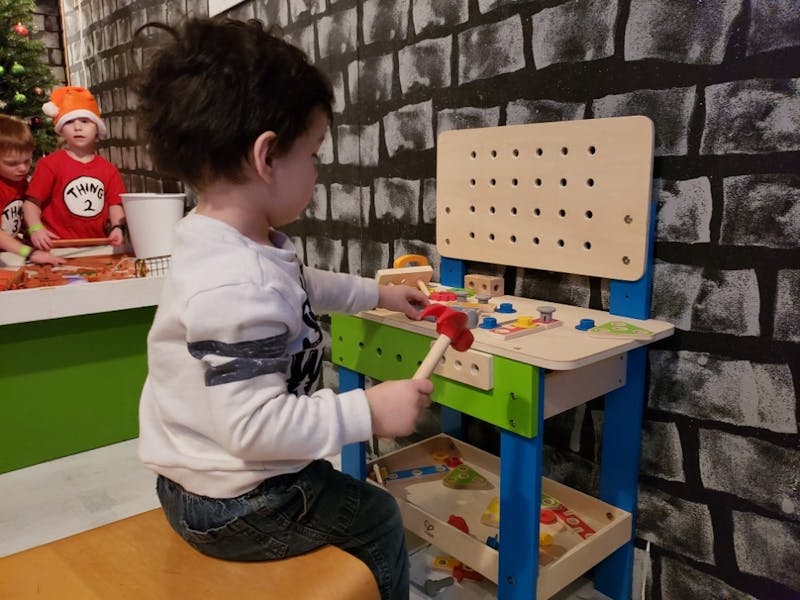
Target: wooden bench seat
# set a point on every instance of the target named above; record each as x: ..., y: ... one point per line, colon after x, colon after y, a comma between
x: 141, y: 558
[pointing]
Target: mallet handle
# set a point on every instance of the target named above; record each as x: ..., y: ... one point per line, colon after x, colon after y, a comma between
x: 433, y: 357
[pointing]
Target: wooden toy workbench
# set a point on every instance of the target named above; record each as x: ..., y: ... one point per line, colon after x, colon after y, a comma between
x: 572, y: 197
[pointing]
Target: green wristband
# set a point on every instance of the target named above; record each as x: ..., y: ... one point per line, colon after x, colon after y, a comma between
x: 25, y: 251
x: 34, y: 228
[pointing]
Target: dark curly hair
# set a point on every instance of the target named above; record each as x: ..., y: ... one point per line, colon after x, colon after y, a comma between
x: 214, y: 87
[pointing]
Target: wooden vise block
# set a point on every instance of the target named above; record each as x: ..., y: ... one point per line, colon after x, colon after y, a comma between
x: 485, y: 284
x: 141, y: 558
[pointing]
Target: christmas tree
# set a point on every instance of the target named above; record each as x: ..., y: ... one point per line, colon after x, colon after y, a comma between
x: 25, y: 81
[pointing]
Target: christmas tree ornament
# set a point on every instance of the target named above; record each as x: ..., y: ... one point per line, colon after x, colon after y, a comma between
x: 20, y: 98
x: 38, y: 91
x: 17, y: 69
x: 2, y: 70
x: 20, y: 29
x: 36, y: 121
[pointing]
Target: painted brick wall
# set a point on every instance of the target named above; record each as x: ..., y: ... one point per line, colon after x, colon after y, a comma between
x: 47, y: 22
x: 720, y: 475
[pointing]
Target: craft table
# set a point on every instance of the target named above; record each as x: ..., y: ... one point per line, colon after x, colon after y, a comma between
x: 72, y: 364
x: 571, y: 197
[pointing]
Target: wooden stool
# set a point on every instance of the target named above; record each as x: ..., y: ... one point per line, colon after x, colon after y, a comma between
x: 141, y: 558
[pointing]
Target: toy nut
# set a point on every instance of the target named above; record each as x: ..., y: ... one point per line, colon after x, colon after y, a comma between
x: 488, y: 323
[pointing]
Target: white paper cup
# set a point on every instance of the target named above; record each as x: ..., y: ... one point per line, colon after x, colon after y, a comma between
x: 151, y: 219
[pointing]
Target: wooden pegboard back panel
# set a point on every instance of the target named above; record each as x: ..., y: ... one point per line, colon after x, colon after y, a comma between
x: 572, y: 196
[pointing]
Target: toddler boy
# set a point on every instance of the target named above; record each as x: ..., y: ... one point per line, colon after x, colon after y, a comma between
x: 75, y: 193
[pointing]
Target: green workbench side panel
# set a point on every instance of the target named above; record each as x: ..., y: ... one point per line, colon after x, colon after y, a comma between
x: 70, y: 385
x: 384, y: 352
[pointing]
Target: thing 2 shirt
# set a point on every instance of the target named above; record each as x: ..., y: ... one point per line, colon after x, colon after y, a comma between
x: 12, y: 194
x: 75, y: 196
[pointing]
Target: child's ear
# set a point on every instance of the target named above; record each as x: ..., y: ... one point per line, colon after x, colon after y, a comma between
x: 263, y: 150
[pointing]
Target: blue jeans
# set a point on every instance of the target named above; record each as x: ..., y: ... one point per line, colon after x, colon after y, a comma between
x: 294, y: 514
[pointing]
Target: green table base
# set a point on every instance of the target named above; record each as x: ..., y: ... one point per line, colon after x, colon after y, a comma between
x: 384, y: 352
x: 70, y: 385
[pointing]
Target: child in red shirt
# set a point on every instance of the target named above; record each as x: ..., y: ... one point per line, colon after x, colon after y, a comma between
x: 74, y: 193
x: 16, y: 151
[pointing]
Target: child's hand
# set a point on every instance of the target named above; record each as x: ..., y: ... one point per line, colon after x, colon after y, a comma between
x: 42, y: 239
x: 402, y: 298
x: 397, y: 405
x: 116, y: 237
x: 40, y: 257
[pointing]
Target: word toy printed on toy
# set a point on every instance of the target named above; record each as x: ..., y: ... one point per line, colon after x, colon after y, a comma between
x: 565, y: 515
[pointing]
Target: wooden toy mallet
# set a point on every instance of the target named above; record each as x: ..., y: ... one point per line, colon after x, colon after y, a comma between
x: 451, y: 325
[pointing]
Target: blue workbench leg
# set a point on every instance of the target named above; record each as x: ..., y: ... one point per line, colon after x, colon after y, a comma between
x: 451, y: 422
x: 451, y: 273
x: 354, y: 456
x: 520, y: 499
x: 619, y: 469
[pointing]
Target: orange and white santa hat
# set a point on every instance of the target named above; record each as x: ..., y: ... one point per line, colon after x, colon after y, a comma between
x: 73, y: 102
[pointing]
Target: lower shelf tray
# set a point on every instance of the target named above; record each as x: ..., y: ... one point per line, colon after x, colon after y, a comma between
x: 585, y: 532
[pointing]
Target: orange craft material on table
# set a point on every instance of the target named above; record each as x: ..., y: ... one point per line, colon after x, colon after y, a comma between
x: 82, y: 269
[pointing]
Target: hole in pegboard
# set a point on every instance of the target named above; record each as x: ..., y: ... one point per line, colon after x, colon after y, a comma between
x: 472, y: 182
x: 361, y: 345
x: 562, y: 213
x: 493, y: 182
x: 492, y: 210
x: 473, y: 155
x: 515, y: 153
x: 564, y: 151
x: 590, y: 182
x: 563, y: 182
x: 447, y: 210
x: 515, y: 182
x: 513, y: 210
x: 398, y: 357
x: 560, y: 243
x: 472, y: 234
x: 592, y: 150
x: 491, y: 237
x: 513, y: 239
x: 626, y: 260
x: 589, y: 214
x: 446, y: 241
x: 537, y: 182
x: 536, y: 241
x: 537, y: 212
x: 587, y: 245
x: 472, y: 208
x: 539, y: 152
x: 379, y: 350
x: 493, y: 154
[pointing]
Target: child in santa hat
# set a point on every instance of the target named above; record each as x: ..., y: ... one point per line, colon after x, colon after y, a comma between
x: 74, y: 193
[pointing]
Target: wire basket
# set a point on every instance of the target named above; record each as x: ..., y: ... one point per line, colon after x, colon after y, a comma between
x: 152, y: 267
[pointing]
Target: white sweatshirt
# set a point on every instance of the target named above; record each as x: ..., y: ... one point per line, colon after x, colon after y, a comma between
x: 233, y: 356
